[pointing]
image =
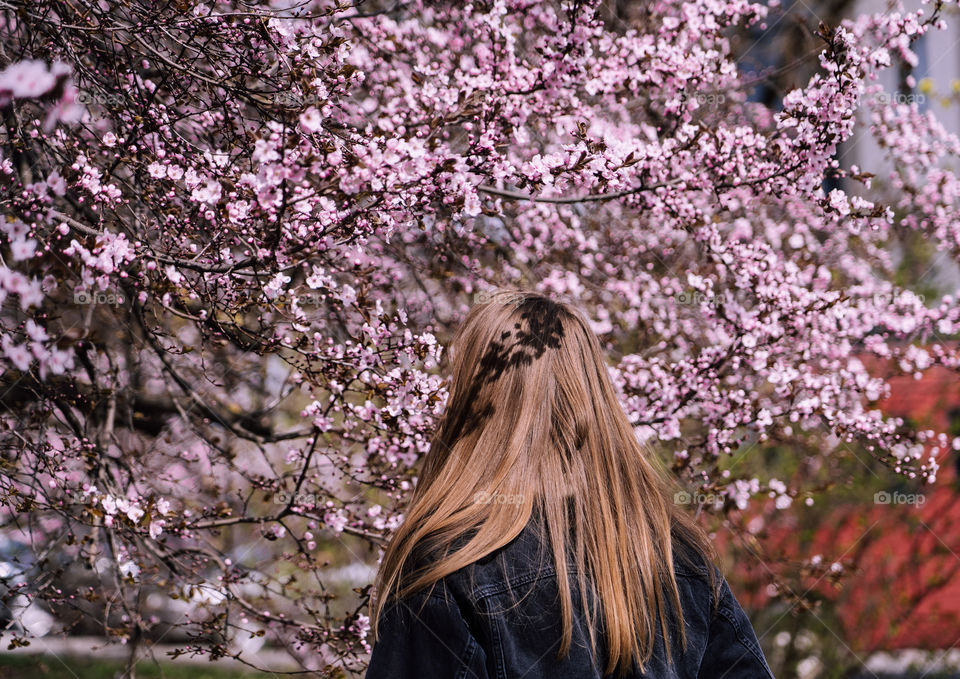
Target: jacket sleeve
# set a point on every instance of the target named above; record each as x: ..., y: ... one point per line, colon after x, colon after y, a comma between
x: 426, y: 637
x: 733, y: 650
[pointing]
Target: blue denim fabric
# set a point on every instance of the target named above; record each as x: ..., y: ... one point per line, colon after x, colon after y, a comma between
x: 500, y: 619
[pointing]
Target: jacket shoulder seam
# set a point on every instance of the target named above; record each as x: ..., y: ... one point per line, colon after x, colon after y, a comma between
x: 745, y: 642
x: 471, y: 650
x: 486, y: 591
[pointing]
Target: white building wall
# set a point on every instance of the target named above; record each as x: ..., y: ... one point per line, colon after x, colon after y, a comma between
x: 938, y: 84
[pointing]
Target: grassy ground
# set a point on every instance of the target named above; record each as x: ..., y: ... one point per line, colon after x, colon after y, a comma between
x: 32, y: 666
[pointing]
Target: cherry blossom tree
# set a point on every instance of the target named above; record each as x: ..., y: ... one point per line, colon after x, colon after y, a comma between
x: 236, y: 239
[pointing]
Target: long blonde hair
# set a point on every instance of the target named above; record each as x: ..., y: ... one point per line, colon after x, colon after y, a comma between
x: 532, y: 414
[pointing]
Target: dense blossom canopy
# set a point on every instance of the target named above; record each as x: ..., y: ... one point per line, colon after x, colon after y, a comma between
x: 235, y: 240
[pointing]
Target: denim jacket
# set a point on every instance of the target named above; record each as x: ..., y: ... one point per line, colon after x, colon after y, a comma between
x: 500, y: 619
